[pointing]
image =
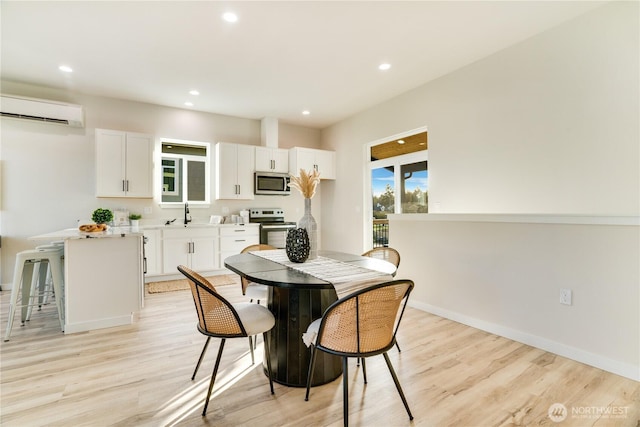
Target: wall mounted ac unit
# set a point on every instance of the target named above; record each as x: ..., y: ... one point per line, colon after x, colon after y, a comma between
x: 41, y: 110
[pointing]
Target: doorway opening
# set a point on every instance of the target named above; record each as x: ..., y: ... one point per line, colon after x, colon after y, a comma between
x: 397, y: 182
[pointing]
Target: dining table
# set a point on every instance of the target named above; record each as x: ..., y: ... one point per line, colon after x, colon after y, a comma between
x: 298, y: 294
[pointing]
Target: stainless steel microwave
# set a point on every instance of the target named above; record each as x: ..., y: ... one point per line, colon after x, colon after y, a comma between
x: 272, y: 183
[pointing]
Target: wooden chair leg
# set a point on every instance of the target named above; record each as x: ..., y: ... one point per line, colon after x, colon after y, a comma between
x: 213, y: 377
x: 310, y: 372
x: 200, y: 359
x: 345, y: 391
x: 395, y: 380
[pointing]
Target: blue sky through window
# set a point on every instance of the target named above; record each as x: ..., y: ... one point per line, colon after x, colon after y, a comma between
x: 381, y: 177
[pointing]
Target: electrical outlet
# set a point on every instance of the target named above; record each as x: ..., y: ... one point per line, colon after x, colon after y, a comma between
x: 148, y: 210
x: 565, y: 296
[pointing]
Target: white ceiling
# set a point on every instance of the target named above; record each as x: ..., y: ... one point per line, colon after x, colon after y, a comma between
x: 277, y: 60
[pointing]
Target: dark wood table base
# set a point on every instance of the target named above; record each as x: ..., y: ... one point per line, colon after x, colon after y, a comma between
x: 294, y: 310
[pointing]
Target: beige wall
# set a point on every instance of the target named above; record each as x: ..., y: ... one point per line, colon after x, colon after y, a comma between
x: 548, y: 126
x: 505, y: 278
x: 49, y: 171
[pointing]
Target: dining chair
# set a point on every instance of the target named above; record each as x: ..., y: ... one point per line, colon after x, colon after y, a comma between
x: 218, y: 318
x: 255, y: 291
x: 362, y: 324
x: 387, y: 254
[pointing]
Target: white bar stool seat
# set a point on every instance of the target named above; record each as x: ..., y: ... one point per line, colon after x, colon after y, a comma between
x: 23, y: 282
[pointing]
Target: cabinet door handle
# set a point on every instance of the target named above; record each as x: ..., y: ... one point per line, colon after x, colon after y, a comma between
x: 123, y: 186
x: 315, y: 167
x: 240, y: 231
x: 127, y: 185
x: 241, y: 240
x: 273, y: 164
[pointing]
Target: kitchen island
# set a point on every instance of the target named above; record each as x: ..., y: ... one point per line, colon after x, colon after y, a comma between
x: 103, y: 277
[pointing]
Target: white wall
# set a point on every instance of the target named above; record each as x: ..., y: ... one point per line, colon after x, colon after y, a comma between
x: 505, y: 277
x: 49, y: 170
x: 548, y: 126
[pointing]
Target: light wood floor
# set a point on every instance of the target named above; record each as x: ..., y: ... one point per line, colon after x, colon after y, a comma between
x: 139, y: 375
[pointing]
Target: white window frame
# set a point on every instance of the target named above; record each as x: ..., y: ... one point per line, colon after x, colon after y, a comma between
x: 184, y: 171
x: 177, y: 173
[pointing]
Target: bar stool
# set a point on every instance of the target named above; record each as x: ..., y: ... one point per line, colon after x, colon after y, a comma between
x: 23, y: 282
x: 42, y: 278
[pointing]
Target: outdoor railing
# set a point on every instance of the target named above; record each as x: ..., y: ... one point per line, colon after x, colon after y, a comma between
x: 380, y: 232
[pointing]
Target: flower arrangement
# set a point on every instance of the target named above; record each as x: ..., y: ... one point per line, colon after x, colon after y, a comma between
x: 306, y: 182
x: 134, y: 216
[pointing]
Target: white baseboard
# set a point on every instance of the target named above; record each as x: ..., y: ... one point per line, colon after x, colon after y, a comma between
x: 616, y: 367
x: 72, y: 328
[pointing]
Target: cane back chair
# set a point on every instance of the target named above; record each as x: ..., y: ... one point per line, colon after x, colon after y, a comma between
x: 362, y: 324
x: 217, y: 318
x: 387, y: 254
x: 255, y: 291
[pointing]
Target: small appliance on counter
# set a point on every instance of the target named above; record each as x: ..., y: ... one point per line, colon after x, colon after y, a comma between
x: 244, y: 215
x: 120, y: 217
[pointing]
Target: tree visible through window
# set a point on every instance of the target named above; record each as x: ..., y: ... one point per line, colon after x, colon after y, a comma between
x: 413, y: 187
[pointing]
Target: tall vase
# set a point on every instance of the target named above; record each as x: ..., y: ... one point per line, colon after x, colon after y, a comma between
x: 309, y: 223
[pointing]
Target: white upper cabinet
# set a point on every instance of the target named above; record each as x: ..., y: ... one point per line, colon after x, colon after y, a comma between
x: 124, y: 164
x: 270, y: 159
x: 235, y: 165
x: 310, y: 159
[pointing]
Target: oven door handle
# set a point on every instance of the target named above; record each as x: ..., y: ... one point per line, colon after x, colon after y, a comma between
x: 267, y: 227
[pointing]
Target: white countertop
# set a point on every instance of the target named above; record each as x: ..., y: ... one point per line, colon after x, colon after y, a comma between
x: 192, y: 225
x: 74, y: 233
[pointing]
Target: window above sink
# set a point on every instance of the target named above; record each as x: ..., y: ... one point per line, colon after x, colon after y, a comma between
x: 185, y: 172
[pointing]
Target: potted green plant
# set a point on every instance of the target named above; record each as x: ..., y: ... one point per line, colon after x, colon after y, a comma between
x: 102, y: 216
x: 135, y: 219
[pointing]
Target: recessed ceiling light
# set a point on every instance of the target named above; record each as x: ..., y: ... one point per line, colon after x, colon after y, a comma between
x: 306, y: 112
x: 194, y: 92
x: 384, y: 67
x: 401, y: 141
x: 188, y: 104
x: 65, y: 68
x: 230, y: 17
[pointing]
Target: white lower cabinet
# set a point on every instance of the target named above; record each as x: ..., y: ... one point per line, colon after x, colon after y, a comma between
x: 152, y: 252
x: 194, y: 247
x: 233, y: 239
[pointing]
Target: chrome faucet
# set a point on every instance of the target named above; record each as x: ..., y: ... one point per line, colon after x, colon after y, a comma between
x: 187, y: 220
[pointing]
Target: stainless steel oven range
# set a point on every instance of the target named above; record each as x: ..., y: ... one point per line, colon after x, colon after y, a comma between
x: 273, y: 227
